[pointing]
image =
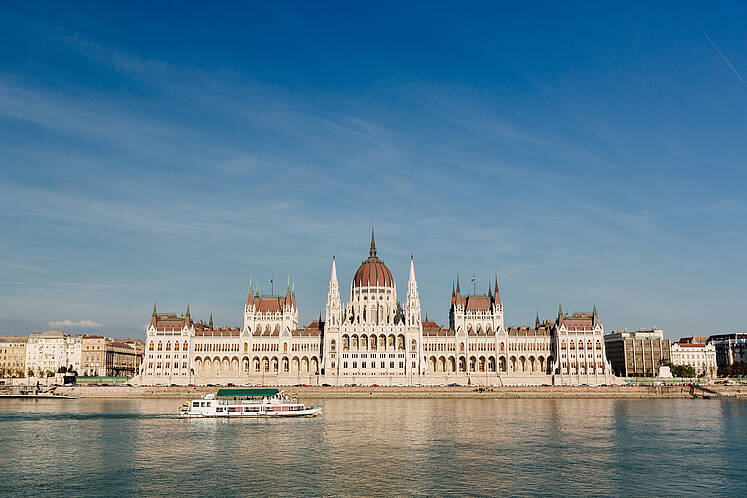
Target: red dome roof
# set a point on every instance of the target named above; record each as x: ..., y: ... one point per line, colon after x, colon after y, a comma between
x: 373, y: 271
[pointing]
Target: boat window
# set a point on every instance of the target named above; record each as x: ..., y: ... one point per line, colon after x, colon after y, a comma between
x: 219, y: 409
x: 196, y: 404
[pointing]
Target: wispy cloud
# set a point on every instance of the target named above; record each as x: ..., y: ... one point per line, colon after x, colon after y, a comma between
x: 23, y: 267
x: 70, y: 323
x: 718, y: 50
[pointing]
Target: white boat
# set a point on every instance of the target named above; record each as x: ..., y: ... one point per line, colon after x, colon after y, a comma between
x: 247, y: 403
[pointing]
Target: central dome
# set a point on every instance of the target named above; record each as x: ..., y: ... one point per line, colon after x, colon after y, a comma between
x: 373, y: 272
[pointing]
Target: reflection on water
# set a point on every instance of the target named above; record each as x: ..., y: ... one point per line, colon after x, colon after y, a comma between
x: 379, y: 447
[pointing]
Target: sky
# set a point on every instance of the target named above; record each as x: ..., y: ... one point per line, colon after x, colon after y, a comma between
x: 582, y: 153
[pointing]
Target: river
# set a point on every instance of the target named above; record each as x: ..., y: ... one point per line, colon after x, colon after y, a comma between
x: 378, y: 447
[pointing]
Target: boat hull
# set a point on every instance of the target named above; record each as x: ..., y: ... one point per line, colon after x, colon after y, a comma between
x: 311, y: 412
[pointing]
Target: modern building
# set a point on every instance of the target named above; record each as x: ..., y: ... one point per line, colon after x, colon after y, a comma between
x: 375, y: 339
x: 48, y: 351
x: 13, y: 356
x: 695, y: 352
x: 637, y: 354
x: 730, y: 348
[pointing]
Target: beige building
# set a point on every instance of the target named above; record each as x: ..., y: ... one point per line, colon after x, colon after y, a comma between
x: 637, y: 354
x: 13, y: 356
x: 93, y: 356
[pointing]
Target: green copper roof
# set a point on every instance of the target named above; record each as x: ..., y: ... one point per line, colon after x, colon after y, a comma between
x: 246, y: 393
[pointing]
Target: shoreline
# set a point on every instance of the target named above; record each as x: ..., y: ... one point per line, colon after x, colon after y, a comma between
x: 363, y: 392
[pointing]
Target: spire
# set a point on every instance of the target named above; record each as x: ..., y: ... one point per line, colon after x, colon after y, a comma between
x: 333, y: 278
x: 497, y: 292
x: 250, y: 285
x: 412, y: 269
x: 452, y: 289
x: 560, y: 310
x: 288, y: 289
x: 187, y: 310
x: 372, y: 251
x: 154, y: 308
x: 595, y: 309
x: 537, y: 321
x: 458, y: 292
x: 293, y: 290
x: 211, y: 320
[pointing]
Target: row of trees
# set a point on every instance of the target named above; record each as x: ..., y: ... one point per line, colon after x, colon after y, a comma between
x: 738, y: 369
x: 19, y: 373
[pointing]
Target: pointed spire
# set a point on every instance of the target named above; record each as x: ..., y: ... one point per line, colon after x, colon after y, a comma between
x: 426, y: 316
x: 288, y: 288
x: 333, y: 277
x: 187, y: 309
x: 458, y: 292
x: 412, y: 269
x: 372, y: 251
x: 211, y: 320
x: 560, y: 310
x: 154, y: 308
x: 250, y: 284
x: 595, y: 309
x: 537, y: 321
x: 293, y: 290
x: 452, y: 290
x: 497, y: 292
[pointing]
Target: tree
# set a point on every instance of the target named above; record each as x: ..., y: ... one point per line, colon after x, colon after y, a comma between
x: 50, y: 373
x: 682, y: 370
x: 19, y: 372
x: 30, y: 372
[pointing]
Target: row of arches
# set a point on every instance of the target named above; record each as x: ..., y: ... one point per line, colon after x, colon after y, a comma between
x: 373, y: 342
x: 304, y: 365
x: 489, y: 364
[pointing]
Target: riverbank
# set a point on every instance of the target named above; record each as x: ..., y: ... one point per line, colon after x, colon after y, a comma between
x: 430, y: 392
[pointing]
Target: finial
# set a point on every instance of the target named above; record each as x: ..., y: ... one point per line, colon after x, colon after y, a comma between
x: 537, y: 321
x: 211, y: 320
x: 372, y: 250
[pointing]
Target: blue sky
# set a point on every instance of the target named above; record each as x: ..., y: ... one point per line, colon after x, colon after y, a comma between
x: 584, y: 153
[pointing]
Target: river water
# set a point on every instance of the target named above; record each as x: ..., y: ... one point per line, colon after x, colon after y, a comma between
x: 378, y: 447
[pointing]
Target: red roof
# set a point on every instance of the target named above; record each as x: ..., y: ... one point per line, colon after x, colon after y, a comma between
x: 477, y: 303
x: 373, y: 272
x: 271, y: 303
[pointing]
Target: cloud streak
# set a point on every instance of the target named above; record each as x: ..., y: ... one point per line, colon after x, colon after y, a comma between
x: 70, y: 323
x: 713, y: 44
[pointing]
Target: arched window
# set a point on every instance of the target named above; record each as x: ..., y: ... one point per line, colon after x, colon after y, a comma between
x: 332, y: 345
x: 168, y: 346
x: 184, y: 346
x: 176, y: 346
x: 413, y: 345
x: 150, y: 347
x: 160, y: 347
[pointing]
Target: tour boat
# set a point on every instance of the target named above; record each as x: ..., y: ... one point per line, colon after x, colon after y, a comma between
x: 247, y: 403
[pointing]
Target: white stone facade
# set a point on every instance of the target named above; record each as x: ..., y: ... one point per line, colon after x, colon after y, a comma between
x: 375, y: 339
x: 700, y: 356
x: 50, y: 350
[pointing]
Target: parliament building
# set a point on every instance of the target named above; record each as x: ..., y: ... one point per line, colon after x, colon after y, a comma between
x: 373, y: 338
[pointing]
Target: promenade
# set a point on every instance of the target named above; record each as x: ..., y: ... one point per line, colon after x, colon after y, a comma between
x: 429, y: 392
